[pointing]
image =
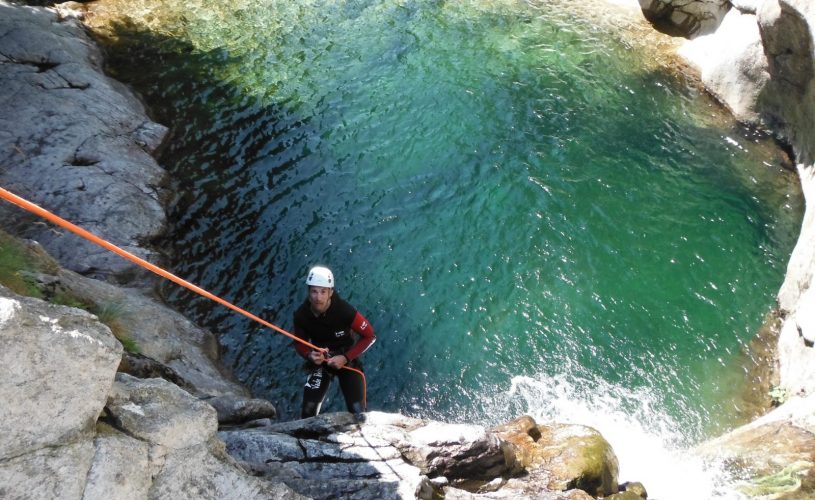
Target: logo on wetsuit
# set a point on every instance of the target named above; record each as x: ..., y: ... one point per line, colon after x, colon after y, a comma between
x: 315, y: 380
x: 339, y: 334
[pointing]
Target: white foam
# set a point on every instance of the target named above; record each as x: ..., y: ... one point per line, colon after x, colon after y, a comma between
x: 652, y: 448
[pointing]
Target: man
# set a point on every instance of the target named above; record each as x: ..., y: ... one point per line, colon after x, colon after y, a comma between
x: 327, y: 321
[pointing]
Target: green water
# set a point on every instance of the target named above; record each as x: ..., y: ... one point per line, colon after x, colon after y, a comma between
x: 508, y: 194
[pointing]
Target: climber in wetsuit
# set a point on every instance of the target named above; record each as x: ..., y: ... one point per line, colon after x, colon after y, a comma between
x: 327, y: 321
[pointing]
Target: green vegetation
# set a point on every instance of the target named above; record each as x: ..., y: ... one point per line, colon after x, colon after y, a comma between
x: 113, y: 314
x: 19, y: 262
x: 787, y: 481
x: 15, y: 261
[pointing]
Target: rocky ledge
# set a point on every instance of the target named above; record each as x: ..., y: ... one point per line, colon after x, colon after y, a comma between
x: 72, y: 432
x: 77, y: 429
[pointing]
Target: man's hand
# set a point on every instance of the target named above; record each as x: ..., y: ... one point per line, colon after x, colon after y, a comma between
x: 337, y: 361
x: 317, y: 357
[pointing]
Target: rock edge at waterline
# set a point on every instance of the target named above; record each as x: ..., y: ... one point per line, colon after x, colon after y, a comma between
x: 759, y: 61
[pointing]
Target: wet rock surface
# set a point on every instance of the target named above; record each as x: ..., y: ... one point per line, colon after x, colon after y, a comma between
x: 75, y: 142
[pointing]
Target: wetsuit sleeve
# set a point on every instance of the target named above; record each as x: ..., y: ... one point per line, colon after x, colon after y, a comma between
x: 366, y: 337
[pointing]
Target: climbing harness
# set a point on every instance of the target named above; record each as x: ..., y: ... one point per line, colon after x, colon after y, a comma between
x: 59, y: 221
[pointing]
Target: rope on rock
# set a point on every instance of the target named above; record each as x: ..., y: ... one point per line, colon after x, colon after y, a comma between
x: 59, y: 221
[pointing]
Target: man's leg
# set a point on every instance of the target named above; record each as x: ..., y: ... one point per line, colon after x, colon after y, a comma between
x: 314, y: 391
x: 353, y: 389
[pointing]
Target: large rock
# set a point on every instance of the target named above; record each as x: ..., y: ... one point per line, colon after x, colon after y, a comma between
x: 687, y: 18
x: 120, y: 466
x: 58, y: 366
x: 157, y: 411
x: 761, y: 64
x: 157, y: 331
x: 800, y: 278
x: 796, y: 349
x: 75, y: 142
x: 561, y: 456
x: 732, y: 64
x: 391, y: 456
x: 775, y: 453
x: 172, y: 450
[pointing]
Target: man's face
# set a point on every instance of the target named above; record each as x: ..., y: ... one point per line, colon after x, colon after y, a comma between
x: 320, y: 298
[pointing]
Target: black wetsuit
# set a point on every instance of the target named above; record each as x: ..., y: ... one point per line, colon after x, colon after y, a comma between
x: 333, y: 331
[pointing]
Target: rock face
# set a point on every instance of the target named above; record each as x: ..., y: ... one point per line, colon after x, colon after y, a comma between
x: 159, y: 332
x: 787, y: 32
x: 562, y: 456
x: 687, y: 18
x: 391, y: 456
x: 58, y: 364
x: 71, y: 431
x: 75, y: 142
x: 761, y: 64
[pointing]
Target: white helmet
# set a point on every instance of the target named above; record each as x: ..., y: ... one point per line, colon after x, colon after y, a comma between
x: 320, y: 276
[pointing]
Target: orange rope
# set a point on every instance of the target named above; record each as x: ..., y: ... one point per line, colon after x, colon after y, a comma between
x: 37, y: 210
